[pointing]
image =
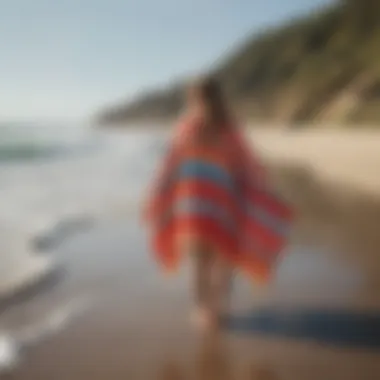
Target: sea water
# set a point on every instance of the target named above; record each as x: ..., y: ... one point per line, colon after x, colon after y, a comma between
x: 54, y: 175
x: 56, y: 178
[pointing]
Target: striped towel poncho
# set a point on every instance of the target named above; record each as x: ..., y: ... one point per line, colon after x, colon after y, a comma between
x: 217, y: 194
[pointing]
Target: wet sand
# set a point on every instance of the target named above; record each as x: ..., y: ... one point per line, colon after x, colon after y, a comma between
x: 137, y: 327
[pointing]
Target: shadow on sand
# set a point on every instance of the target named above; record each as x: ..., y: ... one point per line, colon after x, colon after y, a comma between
x: 333, y: 327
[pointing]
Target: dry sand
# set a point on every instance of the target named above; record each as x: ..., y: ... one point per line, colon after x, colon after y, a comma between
x: 333, y: 179
x: 138, y: 327
x: 346, y: 157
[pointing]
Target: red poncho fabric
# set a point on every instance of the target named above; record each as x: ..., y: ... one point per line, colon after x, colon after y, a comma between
x: 217, y: 194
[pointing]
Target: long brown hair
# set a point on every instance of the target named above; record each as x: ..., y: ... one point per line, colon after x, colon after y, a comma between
x: 208, y: 94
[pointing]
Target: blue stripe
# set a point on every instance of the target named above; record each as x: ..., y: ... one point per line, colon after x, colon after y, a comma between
x: 268, y: 220
x: 206, y: 171
x: 198, y: 206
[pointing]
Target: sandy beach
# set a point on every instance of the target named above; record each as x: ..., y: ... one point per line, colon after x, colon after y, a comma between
x: 136, y: 325
x: 95, y: 95
x: 346, y: 157
x: 320, y: 320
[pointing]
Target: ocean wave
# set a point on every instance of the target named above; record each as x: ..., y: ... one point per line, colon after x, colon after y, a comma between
x: 15, y: 344
x: 56, y: 234
x: 30, y: 143
x: 45, y: 203
x: 27, y: 152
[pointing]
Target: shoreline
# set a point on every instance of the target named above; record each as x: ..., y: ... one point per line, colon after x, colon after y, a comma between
x: 27, y: 290
x: 346, y: 162
x: 340, y: 156
x: 138, y: 326
x: 36, y: 277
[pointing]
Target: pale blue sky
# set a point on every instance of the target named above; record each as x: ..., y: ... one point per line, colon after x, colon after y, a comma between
x: 67, y: 58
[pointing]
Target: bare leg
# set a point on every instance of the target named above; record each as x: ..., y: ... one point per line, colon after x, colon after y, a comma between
x: 203, y: 265
x: 221, y: 287
x: 212, y: 286
x: 203, y: 262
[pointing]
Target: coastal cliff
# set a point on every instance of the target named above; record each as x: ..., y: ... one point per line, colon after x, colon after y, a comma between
x: 323, y: 67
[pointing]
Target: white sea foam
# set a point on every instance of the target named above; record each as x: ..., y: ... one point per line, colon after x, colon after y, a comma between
x: 53, y: 177
x: 53, y: 182
x: 14, y: 344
